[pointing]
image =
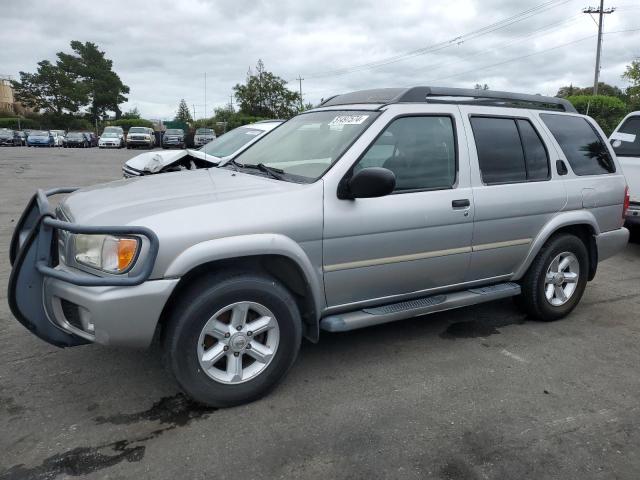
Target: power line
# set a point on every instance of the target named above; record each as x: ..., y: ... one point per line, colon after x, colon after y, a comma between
x: 526, y: 14
x: 485, y: 67
x: 601, y: 13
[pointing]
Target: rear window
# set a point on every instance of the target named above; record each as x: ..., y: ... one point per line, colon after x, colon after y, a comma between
x: 623, y: 148
x: 509, y: 150
x: 585, y: 150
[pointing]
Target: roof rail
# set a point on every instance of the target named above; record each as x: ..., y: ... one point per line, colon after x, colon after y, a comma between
x: 451, y: 95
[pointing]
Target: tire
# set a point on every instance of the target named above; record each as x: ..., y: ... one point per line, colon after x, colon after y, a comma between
x: 534, y: 299
x: 210, y: 296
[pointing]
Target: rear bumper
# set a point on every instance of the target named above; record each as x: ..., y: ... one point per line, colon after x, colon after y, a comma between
x: 611, y: 243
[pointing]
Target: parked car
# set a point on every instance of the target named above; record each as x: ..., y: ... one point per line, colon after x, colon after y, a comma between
x: 58, y: 137
x: 203, y: 136
x: 141, y: 137
x: 374, y: 207
x: 91, y: 138
x: 23, y: 137
x: 626, y: 143
x: 110, y: 140
x: 222, y: 148
x: 117, y: 130
x: 76, y: 139
x: 10, y: 137
x: 40, y: 138
x: 173, y: 137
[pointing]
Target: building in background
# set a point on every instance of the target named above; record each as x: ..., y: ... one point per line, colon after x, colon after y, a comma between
x: 6, y: 95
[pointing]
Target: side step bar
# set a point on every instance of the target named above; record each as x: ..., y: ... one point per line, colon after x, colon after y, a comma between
x: 412, y: 308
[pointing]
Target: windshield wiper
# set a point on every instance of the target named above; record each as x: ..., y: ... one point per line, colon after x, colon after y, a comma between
x: 276, y: 173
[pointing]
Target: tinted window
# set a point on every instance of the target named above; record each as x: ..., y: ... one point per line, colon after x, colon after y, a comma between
x: 499, y: 149
x: 629, y: 149
x: 584, y: 149
x: 420, y: 151
x: 535, y: 155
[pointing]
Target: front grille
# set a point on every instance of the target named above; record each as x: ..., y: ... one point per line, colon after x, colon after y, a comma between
x: 71, y: 313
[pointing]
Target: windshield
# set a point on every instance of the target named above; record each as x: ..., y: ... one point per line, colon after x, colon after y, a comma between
x: 39, y: 133
x: 137, y: 130
x: 230, y: 142
x: 113, y: 129
x: 626, y: 141
x: 109, y: 135
x: 307, y: 145
x: 204, y: 131
x: 74, y: 135
x: 174, y: 131
x: 6, y: 133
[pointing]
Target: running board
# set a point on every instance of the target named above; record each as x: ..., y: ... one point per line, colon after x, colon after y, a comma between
x: 412, y: 308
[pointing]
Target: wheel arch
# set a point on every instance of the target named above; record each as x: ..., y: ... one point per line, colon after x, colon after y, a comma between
x: 275, y: 255
x: 579, y: 223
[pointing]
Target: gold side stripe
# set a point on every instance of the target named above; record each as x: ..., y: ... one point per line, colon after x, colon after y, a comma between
x: 423, y: 255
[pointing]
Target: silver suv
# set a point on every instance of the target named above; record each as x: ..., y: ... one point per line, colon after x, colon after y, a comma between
x: 376, y: 206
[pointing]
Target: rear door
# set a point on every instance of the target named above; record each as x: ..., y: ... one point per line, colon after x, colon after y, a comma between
x: 514, y: 187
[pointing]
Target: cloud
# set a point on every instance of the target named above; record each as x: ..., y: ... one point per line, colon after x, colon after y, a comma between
x: 162, y: 49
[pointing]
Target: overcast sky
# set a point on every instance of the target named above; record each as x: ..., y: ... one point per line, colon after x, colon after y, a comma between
x: 161, y: 49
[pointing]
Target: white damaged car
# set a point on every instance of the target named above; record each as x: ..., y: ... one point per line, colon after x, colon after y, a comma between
x: 223, y: 147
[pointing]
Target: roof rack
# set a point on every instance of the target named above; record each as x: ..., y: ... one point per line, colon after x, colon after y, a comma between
x: 451, y: 95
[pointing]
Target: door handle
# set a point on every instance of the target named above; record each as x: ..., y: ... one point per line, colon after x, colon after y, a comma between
x: 462, y: 203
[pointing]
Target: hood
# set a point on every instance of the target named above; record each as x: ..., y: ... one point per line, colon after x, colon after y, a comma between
x: 131, y: 201
x: 153, y: 162
x: 631, y: 169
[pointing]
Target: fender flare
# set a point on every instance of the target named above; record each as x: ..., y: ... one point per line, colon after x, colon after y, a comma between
x: 562, y: 219
x: 245, y: 246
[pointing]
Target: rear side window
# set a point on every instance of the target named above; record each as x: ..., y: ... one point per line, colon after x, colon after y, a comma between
x: 583, y: 147
x: 628, y: 149
x: 509, y: 150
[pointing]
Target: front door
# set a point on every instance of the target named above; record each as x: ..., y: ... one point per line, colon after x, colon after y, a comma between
x: 418, y: 238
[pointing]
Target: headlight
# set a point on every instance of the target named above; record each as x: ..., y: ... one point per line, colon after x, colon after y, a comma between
x: 106, y: 252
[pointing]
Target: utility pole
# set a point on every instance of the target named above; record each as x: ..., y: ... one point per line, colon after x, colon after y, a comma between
x: 193, y: 105
x: 300, y: 79
x: 231, y: 102
x: 205, y: 95
x: 601, y: 12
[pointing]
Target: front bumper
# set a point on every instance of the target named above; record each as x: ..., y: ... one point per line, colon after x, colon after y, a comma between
x: 43, y: 295
x: 200, y: 142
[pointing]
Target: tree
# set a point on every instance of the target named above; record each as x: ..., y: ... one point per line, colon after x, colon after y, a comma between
x: 103, y: 86
x: 604, y: 89
x: 131, y: 114
x: 266, y: 95
x: 183, y: 114
x: 607, y: 111
x: 51, y: 89
x: 632, y: 75
x: 481, y: 87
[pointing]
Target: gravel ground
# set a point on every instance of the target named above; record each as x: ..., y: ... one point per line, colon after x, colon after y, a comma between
x: 475, y: 393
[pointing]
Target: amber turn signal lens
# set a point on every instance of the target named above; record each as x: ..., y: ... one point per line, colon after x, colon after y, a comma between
x: 126, y: 252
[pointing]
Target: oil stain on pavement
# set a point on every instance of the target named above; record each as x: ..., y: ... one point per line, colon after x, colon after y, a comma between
x: 480, y: 327
x: 171, y: 412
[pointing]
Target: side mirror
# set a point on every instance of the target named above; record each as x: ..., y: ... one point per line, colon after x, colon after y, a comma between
x: 372, y: 182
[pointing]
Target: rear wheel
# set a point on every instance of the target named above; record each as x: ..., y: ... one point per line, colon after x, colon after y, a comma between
x: 231, y: 339
x: 556, y: 280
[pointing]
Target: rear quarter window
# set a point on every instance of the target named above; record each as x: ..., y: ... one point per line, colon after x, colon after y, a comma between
x: 586, y: 152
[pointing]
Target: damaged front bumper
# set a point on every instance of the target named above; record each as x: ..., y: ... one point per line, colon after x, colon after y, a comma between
x: 67, y: 307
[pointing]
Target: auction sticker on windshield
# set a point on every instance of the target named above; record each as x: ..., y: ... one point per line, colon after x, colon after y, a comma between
x: 348, y: 120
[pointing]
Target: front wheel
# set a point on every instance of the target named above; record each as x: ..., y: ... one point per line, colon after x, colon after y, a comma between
x: 231, y: 339
x: 557, y: 278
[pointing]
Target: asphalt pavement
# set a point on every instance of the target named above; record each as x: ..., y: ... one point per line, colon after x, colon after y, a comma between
x: 476, y: 393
